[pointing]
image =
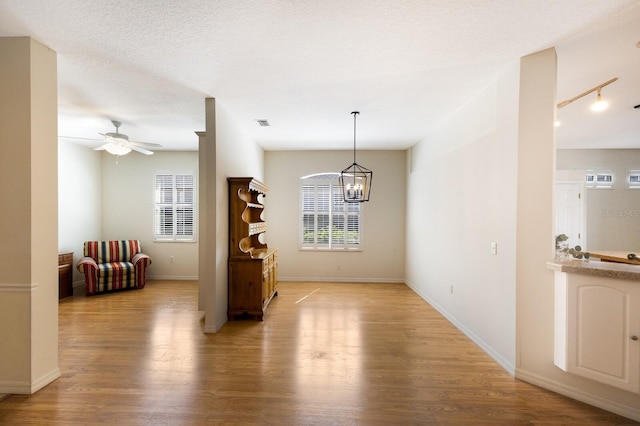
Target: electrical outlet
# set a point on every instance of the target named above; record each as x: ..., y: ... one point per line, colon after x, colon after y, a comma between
x: 171, y: 259
x: 339, y: 267
x: 494, y: 248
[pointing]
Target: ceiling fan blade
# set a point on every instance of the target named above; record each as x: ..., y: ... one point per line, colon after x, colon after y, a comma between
x: 145, y: 144
x: 80, y: 139
x: 118, y: 142
x: 114, y: 139
x: 140, y: 150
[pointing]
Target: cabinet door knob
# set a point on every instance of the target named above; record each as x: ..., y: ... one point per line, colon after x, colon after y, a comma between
x: 634, y: 337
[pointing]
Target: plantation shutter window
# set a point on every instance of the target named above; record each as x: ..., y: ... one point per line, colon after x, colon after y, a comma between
x: 174, y: 207
x: 326, y: 221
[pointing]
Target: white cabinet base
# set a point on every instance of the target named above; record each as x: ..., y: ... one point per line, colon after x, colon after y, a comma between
x: 596, y: 321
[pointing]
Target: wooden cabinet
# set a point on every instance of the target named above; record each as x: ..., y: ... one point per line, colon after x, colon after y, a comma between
x: 253, y: 266
x: 65, y: 275
x: 597, y: 329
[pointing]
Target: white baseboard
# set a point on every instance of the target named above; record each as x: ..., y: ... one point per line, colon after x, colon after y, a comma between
x: 26, y: 388
x: 577, y: 394
x: 45, y: 380
x: 341, y: 280
x: 18, y: 288
x: 79, y: 286
x: 214, y: 328
x: 172, y: 277
x: 497, y: 357
x: 543, y: 382
x: 14, y: 387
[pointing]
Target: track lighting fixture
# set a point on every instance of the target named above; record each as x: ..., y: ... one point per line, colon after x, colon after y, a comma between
x: 599, y: 104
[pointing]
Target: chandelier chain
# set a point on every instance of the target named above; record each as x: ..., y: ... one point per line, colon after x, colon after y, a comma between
x: 355, y: 114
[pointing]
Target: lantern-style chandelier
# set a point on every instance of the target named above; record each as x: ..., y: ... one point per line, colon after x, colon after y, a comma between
x: 355, y: 180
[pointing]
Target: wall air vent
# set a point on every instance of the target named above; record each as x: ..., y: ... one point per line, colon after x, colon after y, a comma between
x: 263, y: 123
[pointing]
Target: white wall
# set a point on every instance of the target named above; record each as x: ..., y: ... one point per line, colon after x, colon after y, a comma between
x: 128, y: 207
x: 100, y: 199
x: 461, y: 198
x: 236, y: 155
x: 613, y: 215
x: 79, y: 201
x: 383, y: 239
x: 466, y: 175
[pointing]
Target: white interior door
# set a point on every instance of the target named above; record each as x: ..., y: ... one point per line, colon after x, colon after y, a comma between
x: 570, y: 213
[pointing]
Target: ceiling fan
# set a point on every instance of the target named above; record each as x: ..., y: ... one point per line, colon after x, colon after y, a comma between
x: 119, y: 144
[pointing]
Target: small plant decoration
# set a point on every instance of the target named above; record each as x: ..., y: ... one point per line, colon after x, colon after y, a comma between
x: 562, y: 248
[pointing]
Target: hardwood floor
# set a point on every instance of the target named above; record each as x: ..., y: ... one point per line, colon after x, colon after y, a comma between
x: 334, y: 354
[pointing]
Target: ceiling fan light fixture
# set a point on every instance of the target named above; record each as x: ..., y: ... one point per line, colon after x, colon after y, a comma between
x: 116, y: 149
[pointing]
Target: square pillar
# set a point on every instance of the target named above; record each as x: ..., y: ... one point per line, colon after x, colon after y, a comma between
x: 29, y: 216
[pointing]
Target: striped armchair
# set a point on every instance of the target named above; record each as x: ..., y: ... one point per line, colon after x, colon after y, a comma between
x: 113, y: 265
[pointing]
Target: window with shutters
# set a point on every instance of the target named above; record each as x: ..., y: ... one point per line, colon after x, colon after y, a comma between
x: 174, y: 218
x: 600, y: 179
x: 633, y: 179
x: 326, y: 221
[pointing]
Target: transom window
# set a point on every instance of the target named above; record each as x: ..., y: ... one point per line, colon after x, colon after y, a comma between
x: 174, y: 206
x: 326, y: 221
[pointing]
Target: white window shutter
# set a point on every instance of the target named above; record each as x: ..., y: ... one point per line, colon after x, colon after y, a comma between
x: 326, y: 221
x: 174, y: 218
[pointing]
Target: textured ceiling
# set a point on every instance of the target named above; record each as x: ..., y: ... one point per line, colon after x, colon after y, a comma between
x: 605, y: 51
x: 305, y: 65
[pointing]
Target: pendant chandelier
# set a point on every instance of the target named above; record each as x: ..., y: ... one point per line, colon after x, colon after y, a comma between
x: 355, y: 180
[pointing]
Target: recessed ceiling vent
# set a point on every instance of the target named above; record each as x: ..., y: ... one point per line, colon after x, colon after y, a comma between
x: 263, y: 123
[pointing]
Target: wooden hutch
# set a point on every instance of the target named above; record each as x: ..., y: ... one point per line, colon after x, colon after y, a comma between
x: 253, y: 267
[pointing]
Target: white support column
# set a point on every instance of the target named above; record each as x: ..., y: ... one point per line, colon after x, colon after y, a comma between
x: 208, y: 219
x: 29, y: 216
x: 534, y: 227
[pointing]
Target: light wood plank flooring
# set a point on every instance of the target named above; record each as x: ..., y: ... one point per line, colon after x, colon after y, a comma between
x: 326, y: 354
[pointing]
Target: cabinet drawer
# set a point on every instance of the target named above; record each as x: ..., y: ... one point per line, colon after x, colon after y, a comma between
x: 65, y: 258
x: 267, y: 263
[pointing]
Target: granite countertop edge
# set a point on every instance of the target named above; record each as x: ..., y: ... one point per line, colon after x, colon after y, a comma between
x: 596, y: 268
